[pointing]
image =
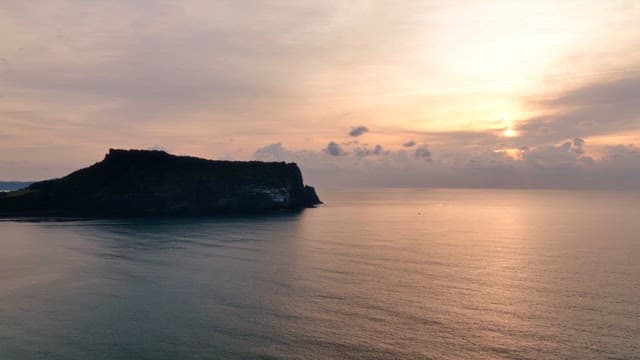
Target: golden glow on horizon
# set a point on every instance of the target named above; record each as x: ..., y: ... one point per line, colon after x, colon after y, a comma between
x: 513, y: 153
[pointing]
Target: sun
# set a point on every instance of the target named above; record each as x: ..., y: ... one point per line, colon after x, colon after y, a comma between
x: 508, y: 129
x: 509, y: 132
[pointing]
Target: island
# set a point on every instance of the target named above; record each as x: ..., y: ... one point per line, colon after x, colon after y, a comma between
x: 132, y: 183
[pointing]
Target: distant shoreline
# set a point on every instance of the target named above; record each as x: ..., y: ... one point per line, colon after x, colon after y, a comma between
x: 6, y: 186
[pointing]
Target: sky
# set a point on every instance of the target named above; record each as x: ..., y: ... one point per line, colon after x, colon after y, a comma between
x: 540, y: 94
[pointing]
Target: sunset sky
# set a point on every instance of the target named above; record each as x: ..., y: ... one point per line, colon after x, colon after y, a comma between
x: 392, y: 93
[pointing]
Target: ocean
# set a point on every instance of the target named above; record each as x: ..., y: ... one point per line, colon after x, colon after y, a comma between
x: 372, y: 274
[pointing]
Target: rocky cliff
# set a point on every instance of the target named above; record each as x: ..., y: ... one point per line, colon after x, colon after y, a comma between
x: 154, y: 183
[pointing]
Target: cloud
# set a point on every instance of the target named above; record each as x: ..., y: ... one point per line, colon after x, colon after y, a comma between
x: 379, y: 150
x: 159, y: 148
x: 569, y: 154
x: 364, y: 151
x: 578, y: 144
x: 358, y: 130
x: 273, y: 152
x: 423, y: 153
x: 549, y: 166
x: 409, y: 143
x: 334, y: 149
x: 623, y: 155
x: 600, y: 108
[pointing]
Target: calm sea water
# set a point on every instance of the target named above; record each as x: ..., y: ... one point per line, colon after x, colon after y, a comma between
x: 389, y: 274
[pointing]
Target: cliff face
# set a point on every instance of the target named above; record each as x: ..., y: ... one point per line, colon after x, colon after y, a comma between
x: 147, y: 183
